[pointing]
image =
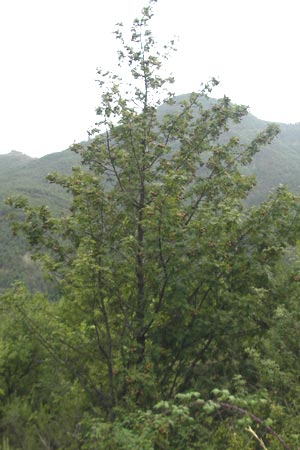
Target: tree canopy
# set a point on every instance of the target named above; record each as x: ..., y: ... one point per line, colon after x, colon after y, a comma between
x: 171, y: 295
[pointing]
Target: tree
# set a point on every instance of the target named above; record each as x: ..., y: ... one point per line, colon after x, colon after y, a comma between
x: 165, y: 277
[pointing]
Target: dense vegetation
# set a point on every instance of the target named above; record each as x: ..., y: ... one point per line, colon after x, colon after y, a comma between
x: 277, y: 163
x: 175, y: 323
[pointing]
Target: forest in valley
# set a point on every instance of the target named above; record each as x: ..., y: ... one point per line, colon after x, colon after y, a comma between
x: 158, y: 302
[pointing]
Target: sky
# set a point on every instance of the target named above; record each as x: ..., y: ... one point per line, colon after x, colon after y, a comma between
x: 50, y: 50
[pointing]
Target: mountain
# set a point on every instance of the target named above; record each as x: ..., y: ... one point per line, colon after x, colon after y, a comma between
x: 21, y: 174
x: 276, y: 164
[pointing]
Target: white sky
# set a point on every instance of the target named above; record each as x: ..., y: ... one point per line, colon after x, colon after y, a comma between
x: 50, y: 50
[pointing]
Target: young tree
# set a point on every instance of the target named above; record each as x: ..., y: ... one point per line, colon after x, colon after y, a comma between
x: 165, y: 277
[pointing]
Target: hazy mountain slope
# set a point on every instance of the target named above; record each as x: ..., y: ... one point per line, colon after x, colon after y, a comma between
x: 278, y: 163
x: 20, y: 174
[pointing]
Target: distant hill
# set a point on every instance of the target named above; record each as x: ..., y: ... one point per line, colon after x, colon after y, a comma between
x: 276, y: 164
x: 20, y: 174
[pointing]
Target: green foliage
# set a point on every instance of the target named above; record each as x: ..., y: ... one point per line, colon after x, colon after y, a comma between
x: 21, y: 174
x: 40, y: 407
x: 168, y: 286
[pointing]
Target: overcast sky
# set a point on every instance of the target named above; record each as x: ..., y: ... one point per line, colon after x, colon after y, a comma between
x: 50, y: 50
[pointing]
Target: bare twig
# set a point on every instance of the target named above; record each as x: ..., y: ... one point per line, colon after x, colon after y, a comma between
x: 259, y: 440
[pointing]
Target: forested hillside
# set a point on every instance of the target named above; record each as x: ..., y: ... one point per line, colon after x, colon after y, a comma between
x: 175, y: 320
x: 20, y: 174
